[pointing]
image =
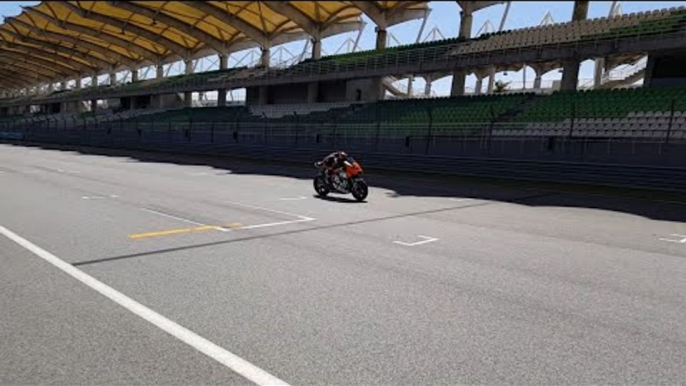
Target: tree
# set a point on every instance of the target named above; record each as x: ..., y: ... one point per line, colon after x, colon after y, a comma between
x: 500, y: 86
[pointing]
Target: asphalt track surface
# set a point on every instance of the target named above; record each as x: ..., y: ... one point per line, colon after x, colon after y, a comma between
x: 425, y: 283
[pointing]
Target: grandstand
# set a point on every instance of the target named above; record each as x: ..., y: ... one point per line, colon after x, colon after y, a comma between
x: 323, y: 100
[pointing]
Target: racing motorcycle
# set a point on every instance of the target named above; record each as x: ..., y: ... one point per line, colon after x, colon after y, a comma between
x: 347, y: 180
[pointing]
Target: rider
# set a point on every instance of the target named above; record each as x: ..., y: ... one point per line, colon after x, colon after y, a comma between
x: 334, y: 161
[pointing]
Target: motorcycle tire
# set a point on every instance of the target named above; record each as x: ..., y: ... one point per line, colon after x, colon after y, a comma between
x: 320, y: 186
x: 360, y: 190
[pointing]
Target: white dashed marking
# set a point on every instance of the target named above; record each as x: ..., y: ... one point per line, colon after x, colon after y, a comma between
x: 426, y: 240
x: 681, y: 239
x: 293, y: 198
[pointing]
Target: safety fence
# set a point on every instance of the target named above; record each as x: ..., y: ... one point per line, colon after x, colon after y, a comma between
x: 649, y: 147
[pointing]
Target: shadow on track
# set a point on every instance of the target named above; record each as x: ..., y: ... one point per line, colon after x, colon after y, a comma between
x: 341, y: 199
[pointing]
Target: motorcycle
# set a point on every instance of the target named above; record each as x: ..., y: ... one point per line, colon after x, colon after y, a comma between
x: 347, y: 180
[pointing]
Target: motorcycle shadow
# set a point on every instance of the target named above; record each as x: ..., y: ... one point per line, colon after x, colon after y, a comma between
x: 344, y: 200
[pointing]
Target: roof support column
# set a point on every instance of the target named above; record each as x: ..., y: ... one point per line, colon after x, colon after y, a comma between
x: 459, y: 77
x: 479, y: 84
x: 537, y: 81
x: 134, y: 99
x: 427, y: 86
x: 466, y: 21
x: 188, y: 96
x: 570, y: 75
x: 491, y: 79
x: 63, y: 85
x: 598, y: 72
x: 316, y: 48
x: 51, y: 87
x: 159, y: 71
x: 77, y: 84
x: 381, y: 37
x: 221, y: 93
x: 94, y: 83
x: 457, y: 86
x: 580, y: 10
x: 541, y: 69
x: 264, y: 58
x: 113, y: 78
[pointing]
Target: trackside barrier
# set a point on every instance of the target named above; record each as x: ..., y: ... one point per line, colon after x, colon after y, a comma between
x: 589, y: 172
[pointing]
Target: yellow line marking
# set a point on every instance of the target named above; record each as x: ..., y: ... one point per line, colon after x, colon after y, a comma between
x: 233, y: 225
x: 173, y: 232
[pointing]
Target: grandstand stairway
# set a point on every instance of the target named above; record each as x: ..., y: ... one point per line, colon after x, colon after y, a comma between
x: 395, y: 91
x: 629, y: 80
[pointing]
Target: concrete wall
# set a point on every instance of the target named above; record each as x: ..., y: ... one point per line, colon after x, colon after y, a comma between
x: 293, y: 93
x: 666, y: 70
x: 368, y: 89
x: 168, y: 101
x: 140, y: 102
x: 335, y: 91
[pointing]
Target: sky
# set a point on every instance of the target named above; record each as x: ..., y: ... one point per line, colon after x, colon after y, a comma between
x: 445, y: 18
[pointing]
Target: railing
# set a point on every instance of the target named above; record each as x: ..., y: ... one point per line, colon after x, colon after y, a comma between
x: 626, y: 71
x: 433, y: 58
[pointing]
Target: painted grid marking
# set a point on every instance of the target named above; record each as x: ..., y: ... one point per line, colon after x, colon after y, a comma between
x: 200, y: 227
x: 183, y: 230
x: 426, y: 240
x: 199, y: 224
x: 212, y: 350
x: 682, y: 239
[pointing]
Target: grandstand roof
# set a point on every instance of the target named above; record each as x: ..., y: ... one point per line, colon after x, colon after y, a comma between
x: 54, y: 41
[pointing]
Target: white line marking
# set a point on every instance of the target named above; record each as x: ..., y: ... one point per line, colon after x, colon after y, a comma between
x: 680, y: 241
x: 183, y: 219
x: 273, y: 224
x: 267, y: 210
x: 427, y: 240
x: 174, y: 217
x: 293, y: 198
x: 93, y: 198
x: 219, y: 354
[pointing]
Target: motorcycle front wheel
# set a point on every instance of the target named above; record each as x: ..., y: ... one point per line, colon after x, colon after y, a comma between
x: 320, y: 186
x: 360, y: 189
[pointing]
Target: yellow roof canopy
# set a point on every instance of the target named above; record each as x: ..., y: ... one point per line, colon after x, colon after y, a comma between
x: 54, y: 41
